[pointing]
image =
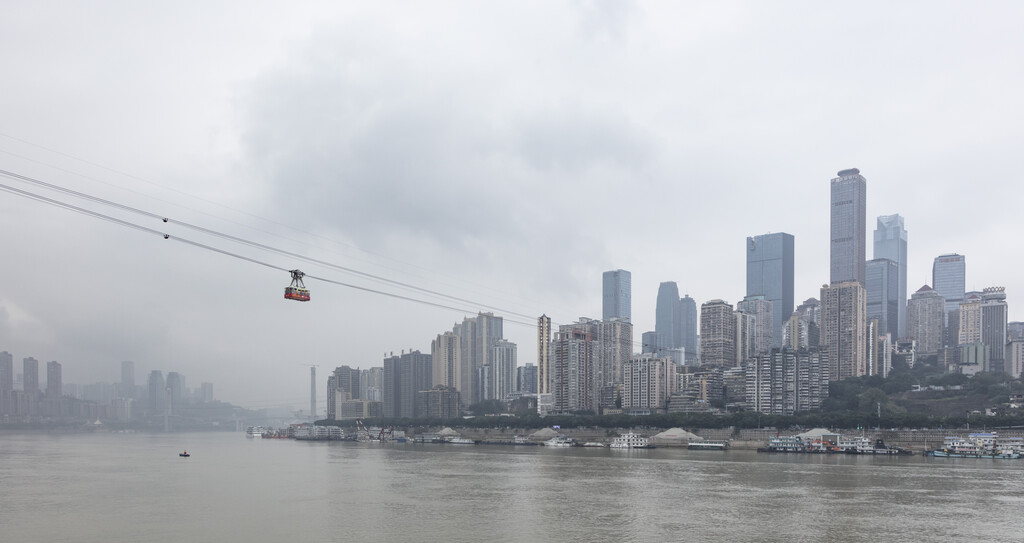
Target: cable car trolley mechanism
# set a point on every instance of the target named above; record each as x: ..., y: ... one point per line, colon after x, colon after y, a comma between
x: 297, y: 290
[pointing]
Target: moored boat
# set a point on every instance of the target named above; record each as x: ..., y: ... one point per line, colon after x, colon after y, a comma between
x: 560, y: 441
x: 708, y: 445
x: 631, y: 440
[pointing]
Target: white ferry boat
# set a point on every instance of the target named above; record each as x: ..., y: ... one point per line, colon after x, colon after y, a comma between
x: 254, y: 432
x: 631, y: 440
x: 593, y: 444
x: 978, y: 445
x: 560, y: 441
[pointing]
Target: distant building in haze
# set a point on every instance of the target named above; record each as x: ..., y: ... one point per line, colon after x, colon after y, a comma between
x: 891, y: 243
x: 54, y: 380
x: 157, y: 393
x: 501, y: 371
x: 206, y: 392
x: 440, y: 402
x: 127, y: 379
x: 6, y: 371
x: 770, y: 274
x: 617, y: 295
x: 848, y: 227
x: 30, y: 376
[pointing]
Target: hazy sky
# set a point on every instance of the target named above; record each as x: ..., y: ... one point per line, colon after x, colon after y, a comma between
x: 504, y: 153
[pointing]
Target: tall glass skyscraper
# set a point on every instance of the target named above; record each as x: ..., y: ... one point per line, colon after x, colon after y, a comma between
x: 770, y: 274
x: 949, y: 279
x: 883, y: 294
x: 617, y: 295
x: 891, y: 243
x: 688, y: 322
x: 848, y: 227
x: 666, y: 315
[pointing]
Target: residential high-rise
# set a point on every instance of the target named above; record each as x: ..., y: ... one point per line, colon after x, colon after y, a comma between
x: 573, y: 369
x: 666, y: 316
x: 404, y: 376
x: 969, y: 321
x: 648, y: 383
x: 54, y: 380
x: 949, y: 279
x: 717, y: 334
x: 440, y: 402
x: 544, y: 374
x: 502, y: 371
x: 764, y: 329
x: 770, y: 274
x: 848, y: 227
x: 883, y: 276
x: 787, y: 381
x: 926, y: 313
x: 477, y: 336
x: 615, y: 338
x: 526, y: 379
x: 446, y: 352
x: 891, y: 243
x: 617, y: 297
x: 844, y: 329
x: 744, y: 342
x: 810, y: 314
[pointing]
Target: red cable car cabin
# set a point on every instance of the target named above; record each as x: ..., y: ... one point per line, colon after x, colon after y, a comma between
x: 296, y: 291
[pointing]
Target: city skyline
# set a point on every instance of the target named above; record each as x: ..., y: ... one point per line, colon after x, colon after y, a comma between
x: 508, y: 172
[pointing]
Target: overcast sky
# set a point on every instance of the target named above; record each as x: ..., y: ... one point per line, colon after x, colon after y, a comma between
x: 504, y: 153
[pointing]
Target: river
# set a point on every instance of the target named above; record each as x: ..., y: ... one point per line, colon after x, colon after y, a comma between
x: 104, y: 487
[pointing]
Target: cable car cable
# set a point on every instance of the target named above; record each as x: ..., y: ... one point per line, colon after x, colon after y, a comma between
x: 251, y: 243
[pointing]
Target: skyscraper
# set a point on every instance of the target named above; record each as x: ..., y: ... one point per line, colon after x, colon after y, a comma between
x: 617, y: 295
x: 770, y: 274
x: 891, y: 243
x: 848, y: 227
x: 477, y: 336
x: 573, y: 368
x: 688, y: 323
x: 883, y: 294
x: 844, y: 329
x: 949, y: 279
x: 667, y: 317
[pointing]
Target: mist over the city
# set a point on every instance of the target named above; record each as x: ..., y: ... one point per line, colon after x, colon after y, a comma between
x: 504, y: 154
